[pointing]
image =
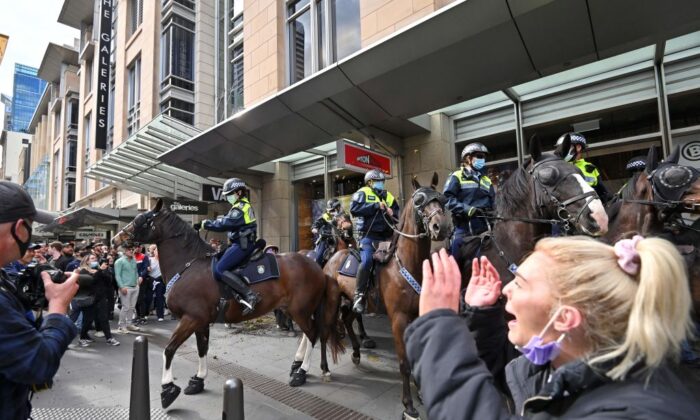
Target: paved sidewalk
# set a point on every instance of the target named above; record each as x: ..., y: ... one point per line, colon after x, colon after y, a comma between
x: 98, y: 377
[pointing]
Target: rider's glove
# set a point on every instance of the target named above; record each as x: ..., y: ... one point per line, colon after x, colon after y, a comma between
x: 314, y: 231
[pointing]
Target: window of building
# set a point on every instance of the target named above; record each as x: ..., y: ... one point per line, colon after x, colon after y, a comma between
x: 235, y: 54
x: 181, y: 110
x: 56, y: 124
x: 177, y: 53
x: 71, y: 155
x: 335, y: 34
x: 88, y: 76
x: 134, y: 96
x: 87, y: 129
x: 73, y: 115
x: 70, y: 191
x: 135, y: 14
x: 56, y: 180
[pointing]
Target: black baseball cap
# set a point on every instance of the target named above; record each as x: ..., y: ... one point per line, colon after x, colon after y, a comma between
x: 34, y: 246
x: 15, y: 204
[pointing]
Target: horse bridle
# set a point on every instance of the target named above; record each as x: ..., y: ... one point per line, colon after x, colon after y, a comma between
x: 562, y: 212
x: 420, y: 200
x: 660, y: 200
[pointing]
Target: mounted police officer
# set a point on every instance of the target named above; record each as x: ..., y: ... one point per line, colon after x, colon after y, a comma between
x: 589, y: 170
x: 323, y: 227
x: 372, y: 205
x: 469, y: 194
x: 241, y: 226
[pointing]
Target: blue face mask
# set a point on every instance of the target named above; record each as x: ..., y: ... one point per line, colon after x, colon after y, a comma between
x: 94, y: 264
x: 378, y: 185
x: 479, y: 164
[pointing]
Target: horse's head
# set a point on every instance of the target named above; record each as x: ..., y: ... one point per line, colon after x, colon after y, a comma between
x: 561, y: 191
x: 674, y: 184
x: 142, y: 229
x: 429, y: 209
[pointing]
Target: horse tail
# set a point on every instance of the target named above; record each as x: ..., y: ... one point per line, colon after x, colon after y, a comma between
x: 326, y: 318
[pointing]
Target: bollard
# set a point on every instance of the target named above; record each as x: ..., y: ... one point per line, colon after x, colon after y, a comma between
x: 140, y: 402
x: 233, y: 400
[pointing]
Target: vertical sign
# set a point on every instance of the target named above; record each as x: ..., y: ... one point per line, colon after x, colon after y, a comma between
x: 103, y: 74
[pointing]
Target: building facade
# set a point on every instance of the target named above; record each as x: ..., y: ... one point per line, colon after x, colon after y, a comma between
x: 26, y: 91
x: 7, y: 103
x: 13, y: 146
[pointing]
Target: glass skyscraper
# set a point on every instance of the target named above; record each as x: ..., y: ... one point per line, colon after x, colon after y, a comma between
x: 26, y: 93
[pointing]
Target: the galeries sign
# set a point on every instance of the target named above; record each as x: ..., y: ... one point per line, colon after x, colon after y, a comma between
x: 103, y: 74
x: 186, y: 206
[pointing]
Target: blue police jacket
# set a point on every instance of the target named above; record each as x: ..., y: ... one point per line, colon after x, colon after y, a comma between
x: 239, y: 222
x: 467, y: 188
x: 365, y: 207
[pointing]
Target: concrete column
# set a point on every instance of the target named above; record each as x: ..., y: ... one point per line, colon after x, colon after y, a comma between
x: 427, y: 153
x: 277, y: 200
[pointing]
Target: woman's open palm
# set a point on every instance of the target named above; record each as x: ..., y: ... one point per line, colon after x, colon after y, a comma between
x: 485, y: 284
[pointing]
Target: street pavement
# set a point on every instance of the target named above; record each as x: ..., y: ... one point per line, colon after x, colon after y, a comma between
x: 98, y: 377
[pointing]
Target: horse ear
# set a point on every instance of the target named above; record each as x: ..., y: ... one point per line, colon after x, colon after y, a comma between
x: 159, y: 206
x: 434, y: 181
x: 652, y: 160
x: 675, y: 154
x: 562, y: 148
x: 415, y: 182
x: 535, y: 148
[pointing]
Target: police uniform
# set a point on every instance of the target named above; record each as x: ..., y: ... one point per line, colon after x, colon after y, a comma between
x: 324, y: 225
x: 241, y: 226
x: 467, y: 190
x: 592, y: 177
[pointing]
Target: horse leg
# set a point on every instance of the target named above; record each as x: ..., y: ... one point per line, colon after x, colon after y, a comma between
x: 182, y: 332
x: 346, y: 314
x: 398, y: 326
x: 299, y: 356
x: 196, y: 384
x: 299, y: 377
x: 367, y: 342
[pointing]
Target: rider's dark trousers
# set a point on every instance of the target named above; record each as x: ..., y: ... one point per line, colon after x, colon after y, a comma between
x: 233, y: 256
x: 320, y: 250
x: 460, y: 233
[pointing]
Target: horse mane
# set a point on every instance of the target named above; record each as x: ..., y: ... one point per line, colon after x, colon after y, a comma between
x: 627, y: 192
x: 171, y: 222
x: 509, y: 199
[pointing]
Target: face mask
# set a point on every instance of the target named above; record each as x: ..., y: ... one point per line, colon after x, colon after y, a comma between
x: 570, y: 155
x: 538, y: 352
x: 479, y: 164
x: 233, y: 199
x: 94, y: 264
x: 378, y: 185
x: 23, y: 246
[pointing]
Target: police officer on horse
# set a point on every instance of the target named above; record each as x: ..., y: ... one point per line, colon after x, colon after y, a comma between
x: 470, y: 194
x: 374, y: 207
x: 241, y: 226
x: 590, y: 173
x: 323, y: 227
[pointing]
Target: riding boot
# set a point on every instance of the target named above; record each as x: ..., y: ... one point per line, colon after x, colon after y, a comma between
x: 250, y: 298
x: 360, y: 289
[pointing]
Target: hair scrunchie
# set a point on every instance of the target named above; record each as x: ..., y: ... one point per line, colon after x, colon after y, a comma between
x: 627, y: 255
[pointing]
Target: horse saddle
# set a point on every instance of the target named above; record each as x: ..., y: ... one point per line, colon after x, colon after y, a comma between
x: 257, y: 267
x: 351, y: 264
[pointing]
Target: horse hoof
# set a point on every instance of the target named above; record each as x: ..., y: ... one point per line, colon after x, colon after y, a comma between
x: 195, y: 386
x: 298, y: 378
x: 326, y: 377
x: 411, y: 414
x: 295, y: 365
x: 356, y: 359
x: 169, y: 394
x: 368, y: 343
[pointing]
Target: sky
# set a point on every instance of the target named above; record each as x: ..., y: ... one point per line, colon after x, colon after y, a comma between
x: 30, y: 24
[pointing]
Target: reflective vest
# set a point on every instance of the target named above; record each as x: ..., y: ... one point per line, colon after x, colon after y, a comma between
x: 467, y: 183
x: 327, y: 217
x: 248, y: 214
x: 589, y: 171
x: 372, y: 197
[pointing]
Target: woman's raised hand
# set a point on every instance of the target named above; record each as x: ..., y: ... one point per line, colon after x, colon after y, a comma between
x: 441, y: 284
x: 485, y: 284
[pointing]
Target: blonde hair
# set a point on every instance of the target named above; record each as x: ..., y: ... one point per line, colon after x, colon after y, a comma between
x: 628, y: 319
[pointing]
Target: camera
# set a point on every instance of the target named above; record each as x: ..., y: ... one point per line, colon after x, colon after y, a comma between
x: 30, y: 285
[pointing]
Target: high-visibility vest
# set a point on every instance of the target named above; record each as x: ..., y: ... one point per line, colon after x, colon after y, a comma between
x: 589, y: 171
x: 372, y: 197
x: 247, y: 210
x: 467, y: 183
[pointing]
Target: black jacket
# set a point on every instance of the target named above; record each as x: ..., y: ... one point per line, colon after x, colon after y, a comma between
x: 456, y: 384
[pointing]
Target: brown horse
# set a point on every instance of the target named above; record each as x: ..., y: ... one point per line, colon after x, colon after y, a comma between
x: 651, y: 204
x: 421, y: 221
x: 303, y: 290
x: 546, y: 191
x: 341, y: 239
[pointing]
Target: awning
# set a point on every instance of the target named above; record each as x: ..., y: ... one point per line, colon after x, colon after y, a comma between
x: 464, y: 50
x: 133, y: 165
x: 88, y: 216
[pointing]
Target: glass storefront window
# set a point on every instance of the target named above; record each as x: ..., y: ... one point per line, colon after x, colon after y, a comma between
x: 684, y: 109
x: 300, y: 46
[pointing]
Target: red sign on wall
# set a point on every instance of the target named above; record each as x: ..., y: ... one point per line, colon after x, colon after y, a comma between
x: 361, y: 159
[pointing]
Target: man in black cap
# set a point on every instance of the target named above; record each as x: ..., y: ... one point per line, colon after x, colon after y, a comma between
x: 15, y: 268
x: 30, y: 353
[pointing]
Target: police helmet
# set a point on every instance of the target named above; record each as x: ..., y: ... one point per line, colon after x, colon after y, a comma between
x: 576, y: 138
x: 637, y: 163
x: 333, y: 204
x: 473, y: 148
x: 232, y: 185
x: 374, y: 175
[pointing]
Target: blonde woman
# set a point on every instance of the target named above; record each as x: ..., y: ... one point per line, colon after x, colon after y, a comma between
x: 598, y: 329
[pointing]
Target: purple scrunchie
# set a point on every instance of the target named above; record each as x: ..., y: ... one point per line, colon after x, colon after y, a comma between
x: 627, y: 255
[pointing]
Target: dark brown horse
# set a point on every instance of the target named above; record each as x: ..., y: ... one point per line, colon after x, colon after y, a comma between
x: 421, y: 221
x: 302, y: 290
x: 544, y: 192
x: 652, y: 203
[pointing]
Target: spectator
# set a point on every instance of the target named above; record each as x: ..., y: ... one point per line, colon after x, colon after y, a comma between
x: 66, y: 257
x: 104, y: 294
x: 84, y: 303
x: 158, y: 284
x: 31, y: 352
x: 598, y: 327
x: 55, y: 252
x: 15, y: 268
x: 128, y: 280
x: 145, y: 299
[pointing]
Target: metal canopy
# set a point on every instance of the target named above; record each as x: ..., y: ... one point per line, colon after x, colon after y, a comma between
x: 88, y: 216
x: 133, y: 165
x: 462, y: 51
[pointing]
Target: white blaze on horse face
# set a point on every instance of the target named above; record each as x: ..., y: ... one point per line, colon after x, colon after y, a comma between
x: 595, y: 206
x: 202, y: 370
x: 167, y: 373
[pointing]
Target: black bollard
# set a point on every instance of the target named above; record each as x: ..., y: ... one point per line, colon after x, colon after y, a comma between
x: 233, y: 400
x: 140, y: 402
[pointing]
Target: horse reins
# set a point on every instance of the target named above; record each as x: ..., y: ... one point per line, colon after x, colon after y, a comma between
x: 418, y: 208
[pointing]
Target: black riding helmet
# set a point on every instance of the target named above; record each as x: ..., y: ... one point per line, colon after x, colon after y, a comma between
x: 232, y: 185
x: 333, y: 204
